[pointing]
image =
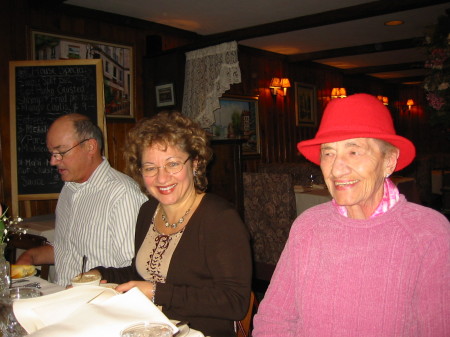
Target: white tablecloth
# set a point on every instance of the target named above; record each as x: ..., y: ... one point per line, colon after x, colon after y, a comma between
x: 43, y: 225
x: 48, y: 288
x: 305, y: 199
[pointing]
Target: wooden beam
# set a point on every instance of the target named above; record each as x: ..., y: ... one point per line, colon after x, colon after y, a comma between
x: 384, y: 68
x: 404, y: 80
x: 358, y: 50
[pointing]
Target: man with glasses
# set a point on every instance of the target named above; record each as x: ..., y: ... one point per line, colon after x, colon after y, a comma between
x: 97, y: 207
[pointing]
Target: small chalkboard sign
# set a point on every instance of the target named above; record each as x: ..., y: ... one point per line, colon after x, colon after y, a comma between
x: 40, y: 92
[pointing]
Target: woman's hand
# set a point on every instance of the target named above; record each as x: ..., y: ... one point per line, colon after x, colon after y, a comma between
x: 144, y: 286
x: 94, y: 272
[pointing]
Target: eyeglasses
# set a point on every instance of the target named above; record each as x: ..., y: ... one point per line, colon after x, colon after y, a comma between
x: 59, y: 155
x: 171, y: 167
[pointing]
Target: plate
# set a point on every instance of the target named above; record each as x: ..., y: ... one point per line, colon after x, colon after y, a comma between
x: 184, y: 329
x: 109, y: 285
x: 24, y: 277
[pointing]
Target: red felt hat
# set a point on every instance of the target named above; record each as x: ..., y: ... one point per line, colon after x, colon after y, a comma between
x: 357, y: 116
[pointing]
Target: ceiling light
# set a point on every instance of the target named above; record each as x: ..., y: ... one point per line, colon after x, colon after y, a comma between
x: 394, y: 23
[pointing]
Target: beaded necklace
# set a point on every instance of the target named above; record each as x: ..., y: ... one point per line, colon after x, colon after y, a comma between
x: 180, y: 221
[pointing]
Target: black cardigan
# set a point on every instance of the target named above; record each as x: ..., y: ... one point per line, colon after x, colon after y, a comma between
x: 209, y: 278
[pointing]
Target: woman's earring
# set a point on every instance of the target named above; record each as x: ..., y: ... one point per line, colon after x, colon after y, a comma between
x: 195, y: 172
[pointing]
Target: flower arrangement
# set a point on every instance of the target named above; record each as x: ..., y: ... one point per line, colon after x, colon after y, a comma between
x: 9, y: 226
x: 437, y: 82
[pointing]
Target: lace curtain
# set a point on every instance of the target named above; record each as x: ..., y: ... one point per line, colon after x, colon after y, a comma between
x: 209, y: 73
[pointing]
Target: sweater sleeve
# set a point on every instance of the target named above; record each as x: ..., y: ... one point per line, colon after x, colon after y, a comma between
x: 210, y: 275
x: 433, y: 290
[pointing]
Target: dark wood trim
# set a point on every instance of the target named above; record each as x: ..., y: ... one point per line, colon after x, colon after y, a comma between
x: 405, y: 80
x: 118, y: 19
x: 384, y: 68
x: 358, y: 50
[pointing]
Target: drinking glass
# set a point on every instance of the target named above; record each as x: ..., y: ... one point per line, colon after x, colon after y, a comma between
x: 311, y: 181
x: 147, y: 330
x: 9, y: 327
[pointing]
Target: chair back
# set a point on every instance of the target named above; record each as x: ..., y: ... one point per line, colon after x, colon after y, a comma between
x: 25, y: 241
x: 245, y: 325
x: 269, y: 210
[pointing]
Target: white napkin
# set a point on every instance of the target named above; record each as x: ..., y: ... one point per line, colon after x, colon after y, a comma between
x: 87, y: 311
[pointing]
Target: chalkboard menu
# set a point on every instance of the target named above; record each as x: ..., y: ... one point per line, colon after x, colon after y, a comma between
x: 40, y: 92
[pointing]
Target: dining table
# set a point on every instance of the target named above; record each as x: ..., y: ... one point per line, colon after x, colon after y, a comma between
x: 45, y: 286
x: 42, y: 225
x: 49, y: 288
x: 307, y: 197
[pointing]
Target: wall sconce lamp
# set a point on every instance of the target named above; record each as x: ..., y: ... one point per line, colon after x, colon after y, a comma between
x: 279, y: 83
x: 409, y: 103
x: 383, y: 99
x: 338, y: 93
x: 275, y: 84
x: 285, y: 84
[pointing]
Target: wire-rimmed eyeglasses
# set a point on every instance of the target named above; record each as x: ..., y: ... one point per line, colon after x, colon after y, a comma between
x: 171, y: 167
x: 60, y: 155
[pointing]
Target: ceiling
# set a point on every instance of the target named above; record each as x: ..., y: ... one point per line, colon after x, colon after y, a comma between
x: 347, y: 34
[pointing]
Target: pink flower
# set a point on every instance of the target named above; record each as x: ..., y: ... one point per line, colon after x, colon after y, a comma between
x: 435, y: 101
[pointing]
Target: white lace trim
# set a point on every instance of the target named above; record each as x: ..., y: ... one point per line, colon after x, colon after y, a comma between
x: 209, y: 73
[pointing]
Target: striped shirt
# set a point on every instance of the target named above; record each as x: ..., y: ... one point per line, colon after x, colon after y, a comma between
x: 96, y: 218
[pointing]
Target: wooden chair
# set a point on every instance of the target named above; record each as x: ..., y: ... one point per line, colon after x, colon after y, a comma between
x: 244, y: 326
x: 269, y: 210
x: 26, y: 241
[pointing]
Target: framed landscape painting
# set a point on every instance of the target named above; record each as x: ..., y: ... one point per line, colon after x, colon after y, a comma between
x: 305, y: 104
x: 117, y: 62
x: 238, y: 117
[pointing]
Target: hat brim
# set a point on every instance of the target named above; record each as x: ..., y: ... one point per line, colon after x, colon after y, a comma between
x: 311, y: 148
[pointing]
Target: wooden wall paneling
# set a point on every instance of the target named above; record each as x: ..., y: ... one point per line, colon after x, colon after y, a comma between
x: 160, y: 69
x: 20, y: 16
x: 278, y: 132
x: 225, y: 172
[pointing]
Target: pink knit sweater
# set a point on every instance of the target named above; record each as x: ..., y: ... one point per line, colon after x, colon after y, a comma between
x: 341, y: 277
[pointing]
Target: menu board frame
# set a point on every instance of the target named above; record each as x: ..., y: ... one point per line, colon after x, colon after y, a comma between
x: 68, y: 65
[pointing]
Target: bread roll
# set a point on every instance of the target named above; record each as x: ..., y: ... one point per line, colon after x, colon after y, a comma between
x: 21, y: 270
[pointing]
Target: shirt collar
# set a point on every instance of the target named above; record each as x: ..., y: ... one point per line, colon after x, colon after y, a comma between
x: 391, y: 196
x: 96, y: 179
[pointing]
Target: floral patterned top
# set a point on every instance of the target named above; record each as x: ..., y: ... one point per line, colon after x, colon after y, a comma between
x: 153, y: 258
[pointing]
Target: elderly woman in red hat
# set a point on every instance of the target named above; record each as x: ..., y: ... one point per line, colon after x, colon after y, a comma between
x: 368, y: 263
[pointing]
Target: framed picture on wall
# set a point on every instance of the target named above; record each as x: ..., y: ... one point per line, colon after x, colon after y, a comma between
x: 165, y: 95
x: 238, y: 117
x: 117, y: 63
x: 305, y: 104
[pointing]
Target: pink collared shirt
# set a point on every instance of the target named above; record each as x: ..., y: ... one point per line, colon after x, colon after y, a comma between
x: 390, y: 198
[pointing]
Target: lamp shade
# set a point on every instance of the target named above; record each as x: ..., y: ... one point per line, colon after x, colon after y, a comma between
x: 338, y: 93
x: 275, y: 82
x: 285, y: 83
